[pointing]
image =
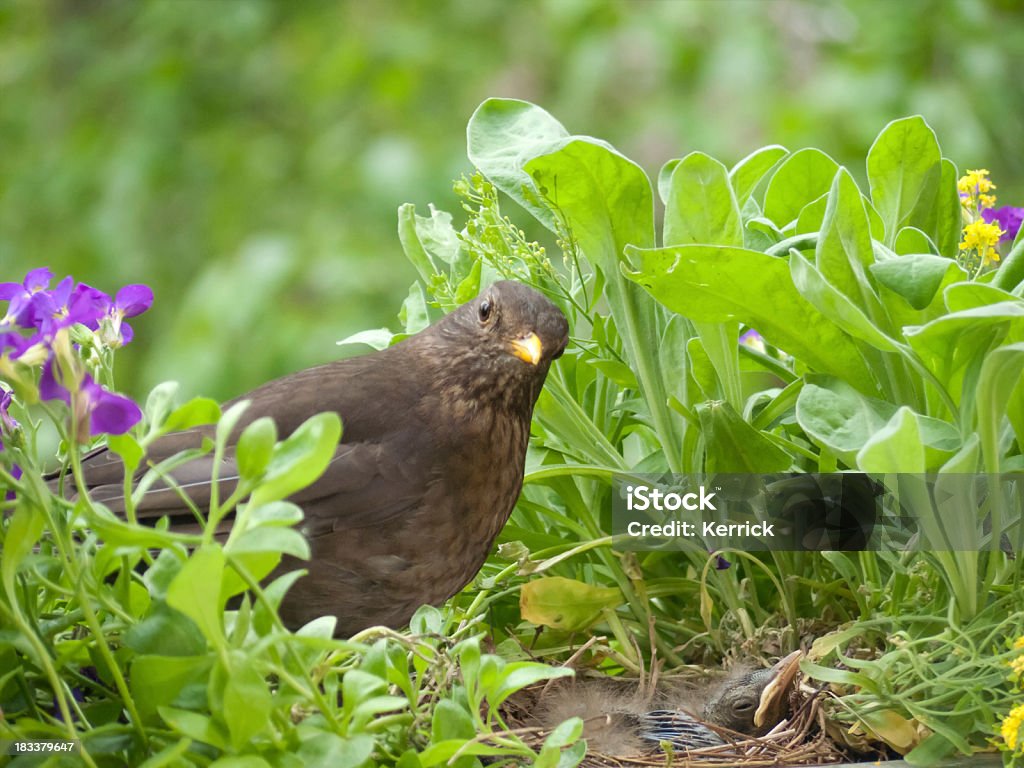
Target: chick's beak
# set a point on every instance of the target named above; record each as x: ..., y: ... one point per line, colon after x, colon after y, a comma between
x: 528, y: 348
x: 775, y: 696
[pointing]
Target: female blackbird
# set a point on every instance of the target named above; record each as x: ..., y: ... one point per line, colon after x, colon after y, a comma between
x: 428, y: 469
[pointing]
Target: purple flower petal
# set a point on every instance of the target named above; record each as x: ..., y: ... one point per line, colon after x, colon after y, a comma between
x: 9, y: 290
x: 49, y: 388
x: 15, y: 343
x: 134, y: 299
x: 38, y: 279
x: 109, y: 413
x: 8, y: 422
x: 1007, y: 217
x: 87, y: 306
x: 127, y: 334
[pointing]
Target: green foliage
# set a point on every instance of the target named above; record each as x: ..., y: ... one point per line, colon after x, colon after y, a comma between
x: 187, y: 663
x: 880, y: 357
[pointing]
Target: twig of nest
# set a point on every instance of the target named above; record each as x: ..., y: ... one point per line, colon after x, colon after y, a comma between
x: 799, y: 740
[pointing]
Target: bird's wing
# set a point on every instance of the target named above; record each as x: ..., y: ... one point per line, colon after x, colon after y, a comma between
x: 365, y: 484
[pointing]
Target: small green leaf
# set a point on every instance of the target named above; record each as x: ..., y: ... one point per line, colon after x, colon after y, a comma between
x: 414, y: 315
x: 156, y: 681
x: 912, y: 240
x: 565, y: 733
x: 159, y: 403
x: 377, y: 338
x: 196, y: 412
x: 246, y: 699
x: 916, y: 277
x: 255, y: 447
x: 23, y: 531
x: 128, y: 448
x: 195, y: 591
x: 470, y: 285
x: 567, y: 604
x: 896, y: 447
x: 274, y: 539
x: 300, y: 459
x: 195, y: 726
x: 618, y: 372
x: 324, y: 748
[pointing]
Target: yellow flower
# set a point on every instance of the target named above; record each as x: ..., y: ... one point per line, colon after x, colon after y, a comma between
x: 981, y: 236
x: 975, y: 182
x: 1010, y: 730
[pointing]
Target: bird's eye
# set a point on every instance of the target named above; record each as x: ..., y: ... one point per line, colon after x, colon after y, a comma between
x: 744, y: 705
x: 485, y: 310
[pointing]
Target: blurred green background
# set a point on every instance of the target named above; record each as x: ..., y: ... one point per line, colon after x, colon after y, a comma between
x: 246, y: 157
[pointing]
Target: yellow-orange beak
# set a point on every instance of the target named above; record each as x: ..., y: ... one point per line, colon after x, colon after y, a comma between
x: 775, y: 696
x: 528, y: 349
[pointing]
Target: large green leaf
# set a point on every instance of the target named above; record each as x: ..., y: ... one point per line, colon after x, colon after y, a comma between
x: 567, y: 604
x: 700, y: 206
x: 606, y: 201
x: 904, y: 173
x: 502, y: 135
x: 732, y: 445
x: 844, y: 249
x: 838, y: 417
x: 748, y: 172
x: 895, y: 448
x: 999, y: 381
x: 917, y: 276
x: 834, y: 304
x: 804, y: 176
x: 948, y: 211
x: 717, y: 284
x: 952, y: 345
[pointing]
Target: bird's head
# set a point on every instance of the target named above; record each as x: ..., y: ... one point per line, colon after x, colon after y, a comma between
x: 513, y: 333
x: 757, y: 701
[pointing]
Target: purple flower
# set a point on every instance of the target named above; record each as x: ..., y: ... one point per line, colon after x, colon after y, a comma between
x: 753, y: 340
x: 20, y: 310
x: 68, y: 304
x: 130, y: 301
x: 98, y: 411
x: 7, y: 422
x: 1007, y: 217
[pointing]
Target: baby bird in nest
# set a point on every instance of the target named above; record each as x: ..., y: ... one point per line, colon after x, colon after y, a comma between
x: 621, y: 723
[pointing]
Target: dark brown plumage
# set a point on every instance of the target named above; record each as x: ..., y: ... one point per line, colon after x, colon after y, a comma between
x: 429, y: 467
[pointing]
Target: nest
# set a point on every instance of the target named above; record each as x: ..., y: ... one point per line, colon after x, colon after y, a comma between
x: 801, y: 739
